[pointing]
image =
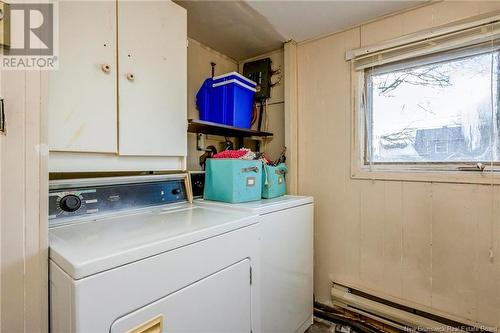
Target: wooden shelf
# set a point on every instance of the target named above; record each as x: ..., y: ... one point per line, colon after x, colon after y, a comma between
x: 206, y: 127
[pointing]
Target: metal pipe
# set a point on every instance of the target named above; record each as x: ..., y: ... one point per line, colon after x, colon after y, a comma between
x: 200, y: 143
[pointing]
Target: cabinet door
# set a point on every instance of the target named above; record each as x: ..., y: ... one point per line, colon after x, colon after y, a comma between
x: 219, y: 303
x: 152, y: 78
x: 82, y: 92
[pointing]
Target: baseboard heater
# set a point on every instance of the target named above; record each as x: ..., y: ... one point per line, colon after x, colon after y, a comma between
x: 396, y: 315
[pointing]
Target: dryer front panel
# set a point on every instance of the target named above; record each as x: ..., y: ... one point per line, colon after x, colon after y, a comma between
x: 220, y: 302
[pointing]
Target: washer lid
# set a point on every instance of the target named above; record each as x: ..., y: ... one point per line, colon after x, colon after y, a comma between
x: 264, y: 206
x: 91, y: 247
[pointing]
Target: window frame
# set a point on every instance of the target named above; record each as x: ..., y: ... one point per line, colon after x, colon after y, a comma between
x: 454, y: 172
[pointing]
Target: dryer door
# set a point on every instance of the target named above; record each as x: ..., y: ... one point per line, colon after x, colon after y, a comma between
x: 217, y: 303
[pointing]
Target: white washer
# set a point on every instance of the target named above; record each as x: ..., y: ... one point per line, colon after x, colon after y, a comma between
x: 286, y: 249
x: 129, y: 254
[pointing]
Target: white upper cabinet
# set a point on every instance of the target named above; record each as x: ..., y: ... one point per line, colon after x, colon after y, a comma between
x: 82, y: 93
x: 152, y: 79
x: 120, y: 94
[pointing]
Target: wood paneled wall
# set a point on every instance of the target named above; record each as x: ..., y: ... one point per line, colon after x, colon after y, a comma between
x: 199, y: 59
x: 423, y: 244
x: 23, y: 204
x: 275, y: 105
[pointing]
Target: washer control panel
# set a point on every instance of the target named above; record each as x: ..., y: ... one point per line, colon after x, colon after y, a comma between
x: 80, y: 200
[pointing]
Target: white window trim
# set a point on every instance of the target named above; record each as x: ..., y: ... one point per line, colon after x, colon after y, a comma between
x: 467, y: 32
x: 451, y: 36
x: 418, y: 172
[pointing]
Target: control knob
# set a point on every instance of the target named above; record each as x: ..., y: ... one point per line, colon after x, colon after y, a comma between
x: 70, y: 203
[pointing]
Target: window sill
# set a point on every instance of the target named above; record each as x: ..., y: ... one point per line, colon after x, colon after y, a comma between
x: 487, y: 177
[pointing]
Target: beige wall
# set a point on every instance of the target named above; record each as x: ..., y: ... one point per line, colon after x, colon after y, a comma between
x: 423, y: 244
x: 199, y: 69
x: 275, y: 106
x: 199, y: 59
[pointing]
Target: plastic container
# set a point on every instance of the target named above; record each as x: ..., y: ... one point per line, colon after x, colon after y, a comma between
x: 273, y: 181
x: 227, y: 99
x: 204, y: 99
x: 234, y: 95
x: 233, y: 180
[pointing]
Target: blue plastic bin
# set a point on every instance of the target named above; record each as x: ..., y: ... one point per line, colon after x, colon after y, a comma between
x: 227, y: 99
x: 233, y: 180
x: 273, y: 181
x: 234, y: 95
x: 204, y: 99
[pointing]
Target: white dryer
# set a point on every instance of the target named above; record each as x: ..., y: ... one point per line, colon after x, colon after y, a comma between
x: 130, y: 254
x: 286, y: 249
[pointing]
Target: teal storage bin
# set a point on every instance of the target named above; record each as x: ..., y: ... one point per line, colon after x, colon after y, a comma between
x: 233, y: 180
x: 273, y: 181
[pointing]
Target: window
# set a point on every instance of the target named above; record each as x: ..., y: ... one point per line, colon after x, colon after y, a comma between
x: 434, y: 109
x: 441, y: 147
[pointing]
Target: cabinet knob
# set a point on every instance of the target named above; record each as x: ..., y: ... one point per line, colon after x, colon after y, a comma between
x: 106, y: 68
x: 130, y: 77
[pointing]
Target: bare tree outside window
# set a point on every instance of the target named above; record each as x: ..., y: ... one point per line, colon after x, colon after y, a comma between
x: 438, y: 111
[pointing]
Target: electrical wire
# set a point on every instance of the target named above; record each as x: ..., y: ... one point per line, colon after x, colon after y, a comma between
x: 266, y: 126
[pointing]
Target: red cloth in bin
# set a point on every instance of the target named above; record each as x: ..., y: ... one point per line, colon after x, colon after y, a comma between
x: 231, y: 154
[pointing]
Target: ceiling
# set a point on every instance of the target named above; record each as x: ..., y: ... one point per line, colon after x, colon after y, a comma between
x: 242, y: 29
